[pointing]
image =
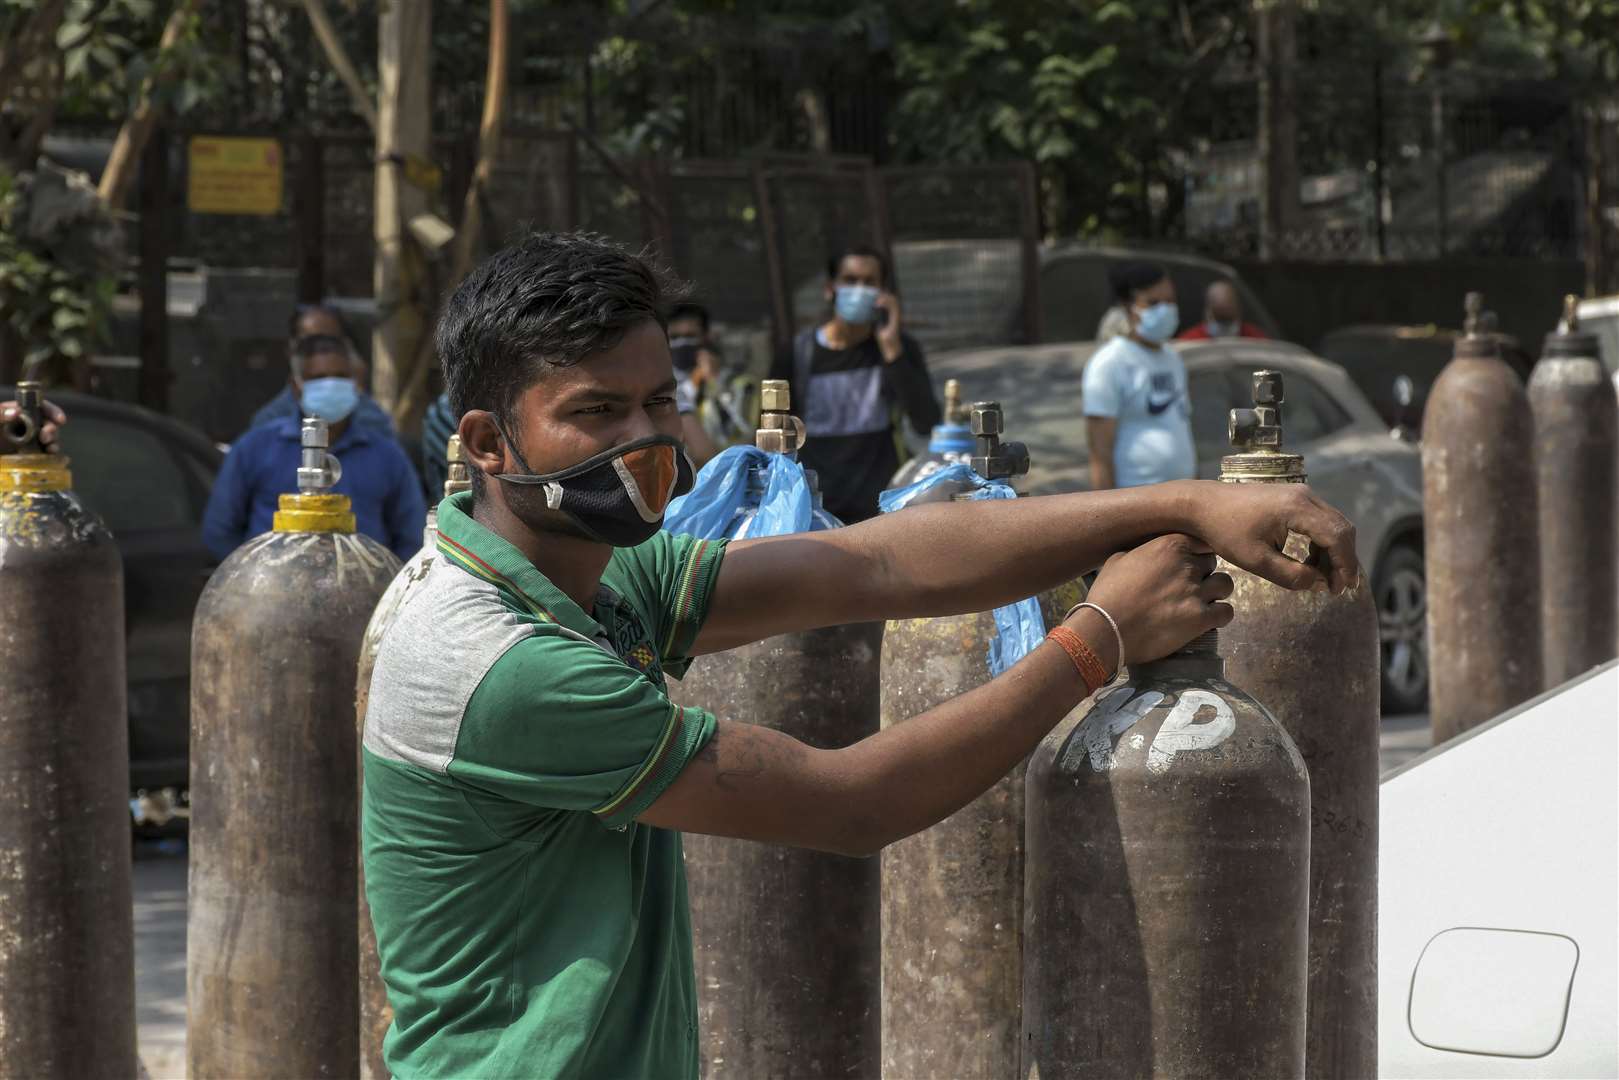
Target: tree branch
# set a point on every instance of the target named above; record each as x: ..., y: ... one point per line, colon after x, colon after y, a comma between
x: 131, y: 141
x: 332, y: 46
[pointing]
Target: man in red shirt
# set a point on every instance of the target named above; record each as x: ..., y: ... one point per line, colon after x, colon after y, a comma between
x: 1222, y: 316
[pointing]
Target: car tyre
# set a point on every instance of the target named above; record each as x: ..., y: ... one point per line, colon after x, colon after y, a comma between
x: 1401, y: 592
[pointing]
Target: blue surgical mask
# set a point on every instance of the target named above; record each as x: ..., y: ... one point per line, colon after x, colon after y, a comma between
x: 855, y: 304
x: 1216, y: 328
x: 1158, y: 323
x: 330, y: 399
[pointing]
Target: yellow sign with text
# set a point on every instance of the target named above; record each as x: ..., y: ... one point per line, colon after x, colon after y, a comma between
x: 234, y: 175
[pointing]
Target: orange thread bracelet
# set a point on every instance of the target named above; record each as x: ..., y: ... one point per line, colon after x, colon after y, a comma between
x: 1085, y: 660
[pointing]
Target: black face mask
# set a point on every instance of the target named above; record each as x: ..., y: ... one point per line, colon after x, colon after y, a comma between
x: 683, y: 351
x: 615, y: 497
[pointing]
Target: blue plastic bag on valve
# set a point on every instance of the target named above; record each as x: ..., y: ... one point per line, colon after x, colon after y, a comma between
x: 720, y: 490
x: 1019, y: 627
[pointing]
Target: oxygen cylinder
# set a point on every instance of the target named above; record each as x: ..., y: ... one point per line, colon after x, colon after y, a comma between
x: 950, y: 443
x: 1167, y: 880
x: 1334, y: 719
x: 1480, y: 537
x: 375, y: 1012
x: 67, y: 967
x: 270, y: 949
x: 785, y: 939
x: 952, y: 895
x: 1576, y: 456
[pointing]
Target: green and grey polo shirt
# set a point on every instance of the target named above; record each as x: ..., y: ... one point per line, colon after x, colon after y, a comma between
x: 528, y: 926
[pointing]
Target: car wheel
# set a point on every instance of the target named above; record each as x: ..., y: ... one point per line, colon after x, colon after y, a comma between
x: 1401, y: 591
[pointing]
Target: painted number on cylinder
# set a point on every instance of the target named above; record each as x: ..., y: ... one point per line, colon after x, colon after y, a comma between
x: 1199, y: 721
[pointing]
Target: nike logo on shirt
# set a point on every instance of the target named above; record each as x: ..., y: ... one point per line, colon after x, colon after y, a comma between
x: 1154, y: 406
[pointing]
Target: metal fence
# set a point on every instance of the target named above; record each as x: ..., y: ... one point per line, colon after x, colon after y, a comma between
x: 750, y: 236
x: 1400, y: 167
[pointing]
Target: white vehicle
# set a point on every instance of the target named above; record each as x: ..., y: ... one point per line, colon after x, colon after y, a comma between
x: 1601, y: 317
x: 1498, y: 920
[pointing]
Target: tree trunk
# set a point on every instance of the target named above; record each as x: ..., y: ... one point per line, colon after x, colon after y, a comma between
x: 1278, y: 125
x: 404, y: 98
x: 1601, y: 200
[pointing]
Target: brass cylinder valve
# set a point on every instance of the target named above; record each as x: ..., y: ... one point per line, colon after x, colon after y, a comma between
x: 993, y: 459
x: 1256, y: 435
x: 456, y: 476
x: 953, y: 412
x: 780, y: 432
x: 22, y: 430
x: 1478, y: 338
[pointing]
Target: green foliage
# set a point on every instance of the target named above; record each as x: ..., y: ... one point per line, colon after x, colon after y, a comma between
x: 108, y: 48
x: 1577, y: 40
x: 1102, y: 96
x: 58, y: 265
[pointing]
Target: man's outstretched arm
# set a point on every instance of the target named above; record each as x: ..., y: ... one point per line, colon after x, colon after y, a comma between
x: 951, y: 558
x: 758, y: 784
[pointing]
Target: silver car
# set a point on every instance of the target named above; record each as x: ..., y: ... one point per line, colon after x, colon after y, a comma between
x: 1354, y: 462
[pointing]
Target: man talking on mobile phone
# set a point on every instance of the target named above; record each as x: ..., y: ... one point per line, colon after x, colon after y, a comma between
x: 851, y: 376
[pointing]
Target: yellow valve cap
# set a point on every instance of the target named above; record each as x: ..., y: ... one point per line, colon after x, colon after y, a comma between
x: 314, y: 513
x: 34, y: 472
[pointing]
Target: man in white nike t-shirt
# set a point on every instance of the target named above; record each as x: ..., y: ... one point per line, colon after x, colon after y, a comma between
x: 1137, y: 412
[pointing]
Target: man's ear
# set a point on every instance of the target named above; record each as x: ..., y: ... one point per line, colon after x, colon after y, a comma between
x: 482, y: 444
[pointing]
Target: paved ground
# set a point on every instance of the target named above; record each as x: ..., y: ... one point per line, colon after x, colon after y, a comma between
x: 160, y: 925
x: 160, y: 958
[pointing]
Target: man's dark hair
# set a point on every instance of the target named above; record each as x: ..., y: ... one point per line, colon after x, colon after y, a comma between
x: 301, y: 310
x: 1130, y: 278
x: 689, y: 310
x: 862, y: 251
x: 549, y: 300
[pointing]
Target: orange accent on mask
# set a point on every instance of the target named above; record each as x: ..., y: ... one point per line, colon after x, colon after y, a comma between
x: 655, y: 469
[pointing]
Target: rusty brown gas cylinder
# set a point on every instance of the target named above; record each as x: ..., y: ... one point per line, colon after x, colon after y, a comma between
x: 376, y: 1015
x: 952, y: 895
x: 1480, y: 538
x: 67, y: 969
x: 786, y: 939
x: 1167, y: 884
x: 271, y: 944
x: 1576, y: 454
x: 1313, y: 659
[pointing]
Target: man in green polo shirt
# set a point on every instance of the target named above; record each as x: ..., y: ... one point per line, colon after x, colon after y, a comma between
x: 526, y: 777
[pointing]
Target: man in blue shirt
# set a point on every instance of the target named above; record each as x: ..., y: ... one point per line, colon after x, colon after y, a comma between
x: 309, y: 320
x: 1138, y: 416
x: 263, y: 465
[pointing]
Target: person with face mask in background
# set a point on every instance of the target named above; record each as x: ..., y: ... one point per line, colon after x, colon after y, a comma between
x: 1137, y: 411
x: 263, y: 464
x: 852, y: 378
x: 526, y: 777
x: 1222, y: 316
x: 718, y: 408
x: 309, y: 320
x: 438, y: 424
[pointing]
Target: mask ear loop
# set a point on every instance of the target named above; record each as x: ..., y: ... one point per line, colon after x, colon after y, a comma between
x: 511, y: 444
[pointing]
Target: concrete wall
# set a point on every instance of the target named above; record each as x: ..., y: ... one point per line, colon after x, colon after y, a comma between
x: 1311, y: 298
